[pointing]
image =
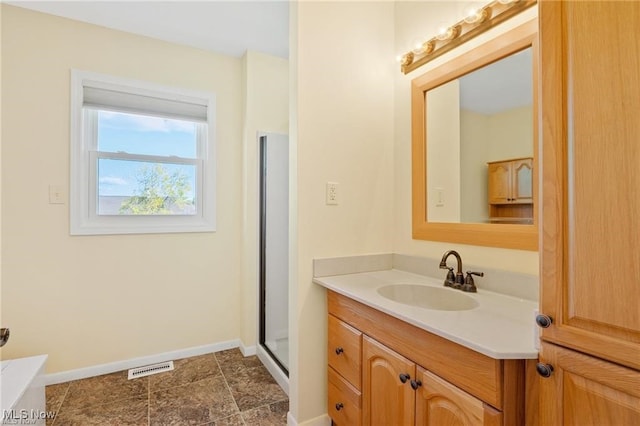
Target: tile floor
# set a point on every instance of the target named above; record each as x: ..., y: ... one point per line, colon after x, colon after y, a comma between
x: 223, y: 388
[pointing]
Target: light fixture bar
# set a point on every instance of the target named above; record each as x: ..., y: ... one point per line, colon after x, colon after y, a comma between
x: 483, y: 19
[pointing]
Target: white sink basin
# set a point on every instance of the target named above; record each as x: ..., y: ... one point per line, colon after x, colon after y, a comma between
x: 436, y: 298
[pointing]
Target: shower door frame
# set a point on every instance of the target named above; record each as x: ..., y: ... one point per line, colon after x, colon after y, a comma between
x: 262, y: 254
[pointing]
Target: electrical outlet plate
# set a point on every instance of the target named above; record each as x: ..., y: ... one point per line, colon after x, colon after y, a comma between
x: 332, y: 193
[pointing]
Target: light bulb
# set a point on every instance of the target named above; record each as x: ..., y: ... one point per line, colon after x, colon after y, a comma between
x: 473, y: 15
x: 443, y: 33
x: 417, y: 46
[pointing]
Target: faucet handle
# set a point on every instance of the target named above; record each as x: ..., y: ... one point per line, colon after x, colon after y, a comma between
x: 450, y: 280
x: 469, y: 285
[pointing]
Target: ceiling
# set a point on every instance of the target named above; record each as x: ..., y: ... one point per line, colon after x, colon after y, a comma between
x: 227, y: 27
x: 500, y: 86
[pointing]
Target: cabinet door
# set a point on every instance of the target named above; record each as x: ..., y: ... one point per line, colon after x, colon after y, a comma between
x: 386, y: 399
x: 499, y: 183
x: 439, y: 403
x: 590, y: 252
x: 584, y: 390
x: 522, y: 181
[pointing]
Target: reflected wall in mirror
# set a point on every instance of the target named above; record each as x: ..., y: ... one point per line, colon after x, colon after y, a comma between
x: 474, y: 144
x: 483, y: 117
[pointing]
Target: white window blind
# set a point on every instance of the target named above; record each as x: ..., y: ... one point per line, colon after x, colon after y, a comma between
x: 122, y: 99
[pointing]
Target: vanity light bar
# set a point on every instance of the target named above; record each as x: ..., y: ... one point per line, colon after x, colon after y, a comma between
x: 472, y: 25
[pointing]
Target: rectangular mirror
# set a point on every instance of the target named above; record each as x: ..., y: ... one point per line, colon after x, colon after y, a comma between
x: 474, y: 132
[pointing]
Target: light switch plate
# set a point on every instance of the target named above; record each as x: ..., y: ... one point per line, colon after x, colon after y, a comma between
x: 56, y: 194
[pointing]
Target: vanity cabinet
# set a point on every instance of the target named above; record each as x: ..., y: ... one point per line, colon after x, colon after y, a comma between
x: 422, y: 399
x: 452, y: 383
x: 510, y: 190
x: 590, y: 256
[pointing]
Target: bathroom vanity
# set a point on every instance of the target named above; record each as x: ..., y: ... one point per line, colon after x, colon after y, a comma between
x: 392, y: 362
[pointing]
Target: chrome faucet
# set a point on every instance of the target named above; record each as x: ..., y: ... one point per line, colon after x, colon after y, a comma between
x: 457, y: 280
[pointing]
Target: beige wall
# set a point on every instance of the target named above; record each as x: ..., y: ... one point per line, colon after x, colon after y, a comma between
x: 511, y: 134
x: 344, y: 109
x: 266, y: 109
x: 93, y: 300
x: 474, y: 140
x: 414, y: 19
x: 443, y: 147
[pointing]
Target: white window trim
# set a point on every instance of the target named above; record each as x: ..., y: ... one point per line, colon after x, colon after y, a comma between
x: 84, y: 220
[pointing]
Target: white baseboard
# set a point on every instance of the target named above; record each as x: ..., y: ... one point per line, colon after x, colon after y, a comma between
x: 247, y: 350
x: 323, y: 420
x: 274, y: 370
x: 112, y: 367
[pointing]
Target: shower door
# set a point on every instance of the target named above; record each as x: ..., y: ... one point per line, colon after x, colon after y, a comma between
x: 274, y: 247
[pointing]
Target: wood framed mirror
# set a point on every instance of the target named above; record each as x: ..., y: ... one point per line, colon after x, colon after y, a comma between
x: 474, y: 137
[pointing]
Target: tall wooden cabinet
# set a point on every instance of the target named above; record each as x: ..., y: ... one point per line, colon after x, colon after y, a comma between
x: 590, y: 226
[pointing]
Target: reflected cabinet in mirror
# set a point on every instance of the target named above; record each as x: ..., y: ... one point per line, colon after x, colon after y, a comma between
x: 474, y: 140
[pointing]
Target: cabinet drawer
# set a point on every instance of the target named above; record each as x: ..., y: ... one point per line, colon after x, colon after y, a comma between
x: 345, y: 350
x: 344, y: 402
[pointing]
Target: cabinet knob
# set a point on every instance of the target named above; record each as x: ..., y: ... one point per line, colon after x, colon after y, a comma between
x: 415, y: 384
x: 544, y: 370
x: 339, y: 406
x: 339, y: 350
x: 543, y: 321
x: 404, y: 377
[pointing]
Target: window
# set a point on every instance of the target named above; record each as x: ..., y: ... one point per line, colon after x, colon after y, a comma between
x: 142, y: 157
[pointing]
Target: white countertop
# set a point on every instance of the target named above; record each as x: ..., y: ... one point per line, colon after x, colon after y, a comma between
x: 501, y: 327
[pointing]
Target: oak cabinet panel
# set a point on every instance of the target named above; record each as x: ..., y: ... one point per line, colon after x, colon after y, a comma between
x: 388, y: 400
x: 344, y: 401
x: 510, y: 190
x: 344, y: 353
x: 584, y: 390
x: 439, y: 403
x: 511, y: 181
x: 590, y: 252
x: 590, y: 255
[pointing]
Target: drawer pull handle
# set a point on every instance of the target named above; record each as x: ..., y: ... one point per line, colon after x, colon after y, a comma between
x: 339, y: 406
x: 415, y: 384
x: 404, y: 377
x: 545, y: 370
x: 544, y: 321
x: 339, y: 350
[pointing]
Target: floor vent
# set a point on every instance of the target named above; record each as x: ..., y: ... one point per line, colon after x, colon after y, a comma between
x: 148, y: 370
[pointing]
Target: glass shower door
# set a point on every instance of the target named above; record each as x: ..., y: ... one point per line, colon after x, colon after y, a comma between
x: 274, y: 247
